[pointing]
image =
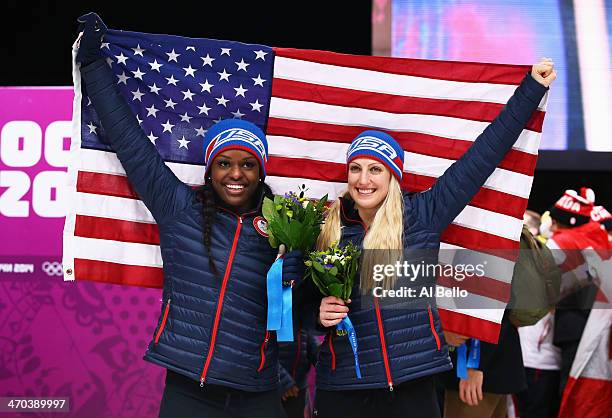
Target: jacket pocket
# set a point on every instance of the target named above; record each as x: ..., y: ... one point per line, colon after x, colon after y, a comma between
x: 163, y: 322
x: 433, y: 327
x: 262, y: 351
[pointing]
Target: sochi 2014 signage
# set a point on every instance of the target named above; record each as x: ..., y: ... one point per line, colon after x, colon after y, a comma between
x: 35, y: 135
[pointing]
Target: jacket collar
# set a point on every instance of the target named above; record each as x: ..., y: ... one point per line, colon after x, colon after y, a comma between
x: 349, y: 213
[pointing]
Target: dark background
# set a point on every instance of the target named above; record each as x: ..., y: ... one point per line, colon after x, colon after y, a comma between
x: 37, y: 38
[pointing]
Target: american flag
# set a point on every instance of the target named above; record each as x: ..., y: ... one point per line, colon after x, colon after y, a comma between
x: 310, y: 104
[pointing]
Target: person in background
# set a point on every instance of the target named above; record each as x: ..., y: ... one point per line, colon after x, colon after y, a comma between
x: 295, y: 360
x: 541, y: 358
x: 500, y: 372
x: 572, y: 235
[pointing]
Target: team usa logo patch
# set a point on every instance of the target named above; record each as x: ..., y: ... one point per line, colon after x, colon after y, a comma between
x: 261, y: 226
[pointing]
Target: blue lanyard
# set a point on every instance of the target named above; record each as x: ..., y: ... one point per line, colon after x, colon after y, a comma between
x: 280, y: 303
x: 464, y: 361
x: 347, y: 326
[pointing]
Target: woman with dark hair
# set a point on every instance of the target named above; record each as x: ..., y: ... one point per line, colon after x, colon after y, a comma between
x: 400, y: 344
x: 211, y: 334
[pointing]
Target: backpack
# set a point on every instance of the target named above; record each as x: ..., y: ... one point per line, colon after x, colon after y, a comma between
x: 536, y: 282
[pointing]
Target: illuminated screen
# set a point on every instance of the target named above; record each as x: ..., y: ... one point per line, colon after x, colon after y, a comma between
x: 577, y: 35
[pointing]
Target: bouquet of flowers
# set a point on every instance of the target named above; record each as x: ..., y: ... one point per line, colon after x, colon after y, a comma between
x: 333, y: 271
x: 294, y: 220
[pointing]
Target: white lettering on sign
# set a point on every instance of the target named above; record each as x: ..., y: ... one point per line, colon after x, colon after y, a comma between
x: 21, y: 146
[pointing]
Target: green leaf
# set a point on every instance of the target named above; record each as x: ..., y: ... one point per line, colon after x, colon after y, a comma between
x: 333, y: 271
x: 318, y: 267
x: 268, y: 209
x: 335, y: 289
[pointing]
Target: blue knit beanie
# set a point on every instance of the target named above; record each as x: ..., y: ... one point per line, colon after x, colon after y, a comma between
x: 235, y: 134
x: 378, y: 146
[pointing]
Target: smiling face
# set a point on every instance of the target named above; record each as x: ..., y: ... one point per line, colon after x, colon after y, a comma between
x: 235, y: 177
x: 368, y: 185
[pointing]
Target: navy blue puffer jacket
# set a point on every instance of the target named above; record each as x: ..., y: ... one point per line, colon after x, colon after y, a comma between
x: 401, y: 343
x: 211, y: 329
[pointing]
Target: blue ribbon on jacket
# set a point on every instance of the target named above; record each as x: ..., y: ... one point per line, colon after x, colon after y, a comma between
x: 464, y: 361
x: 347, y: 325
x: 280, y: 303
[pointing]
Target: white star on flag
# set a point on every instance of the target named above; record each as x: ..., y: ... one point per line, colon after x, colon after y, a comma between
x: 206, y: 86
x: 222, y: 101
x: 152, y: 137
x: 172, y: 80
x: 256, y: 106
x: 167, y: 126
x: 200, y: 131
x: 92, y: 128
x: 172, y: 56
x: 155, y: 66
x: 207, y: 60
x: 189, y: 71
x: 240, y: 91
x: 138, y: 50
x: 138, y: 74
x: 242, y: 65
x: 258, y: 81
x: 121, y: 59
x: 226, y: 51
x: 154, y: 89
x: 123, y: 78
x: 152, y: 111
x: 185, y: 118
x: 224, y: 76
x: 187, y: 94
x: 170, y: 103
x: 137, y: 95
x: 183, y: 142
x: 260, y: 54
x: 204, y: 109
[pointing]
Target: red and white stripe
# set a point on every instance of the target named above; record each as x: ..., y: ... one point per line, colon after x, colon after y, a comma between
x: 320, y: 102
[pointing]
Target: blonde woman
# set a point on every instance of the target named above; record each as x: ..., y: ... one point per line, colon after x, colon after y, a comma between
x: 401, y: 345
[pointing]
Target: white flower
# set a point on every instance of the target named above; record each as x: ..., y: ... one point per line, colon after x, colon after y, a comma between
x: 305, y: 204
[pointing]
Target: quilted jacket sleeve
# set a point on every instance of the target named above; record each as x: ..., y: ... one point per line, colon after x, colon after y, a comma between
x: 160, y: 190
x: 461, y: 181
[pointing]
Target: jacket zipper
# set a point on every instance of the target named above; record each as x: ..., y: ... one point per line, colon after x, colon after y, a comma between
x: 381, y: 334
x: 263, y: 353
x: 297, y: 357
x: 163, y: 323
x: 331, y: 350
x: 433, y: 328
x: 228, y: 269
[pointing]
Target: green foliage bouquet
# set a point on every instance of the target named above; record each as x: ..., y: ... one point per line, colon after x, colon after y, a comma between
x: 294, y: 220
x: 333, y: 271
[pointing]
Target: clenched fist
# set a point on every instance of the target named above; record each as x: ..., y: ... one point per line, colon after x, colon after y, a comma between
x: 544, y: 72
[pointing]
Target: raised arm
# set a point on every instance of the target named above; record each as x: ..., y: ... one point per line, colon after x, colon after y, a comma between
x: 160, y: 190
x: 461, y: 181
